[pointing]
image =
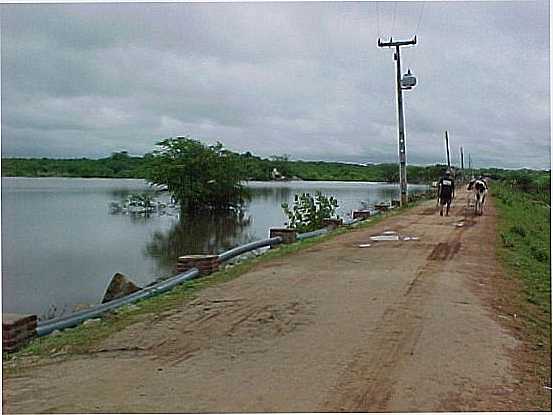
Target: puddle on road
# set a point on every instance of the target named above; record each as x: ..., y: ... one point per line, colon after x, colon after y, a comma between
x: 463, y: 223
x: 385, y: 238
x: 389, y: 236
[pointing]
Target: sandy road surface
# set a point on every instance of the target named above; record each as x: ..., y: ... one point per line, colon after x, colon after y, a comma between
x: 397, y: 326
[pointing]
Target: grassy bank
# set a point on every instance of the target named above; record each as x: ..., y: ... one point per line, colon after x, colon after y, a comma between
x: 524, y: 248
x: 525, y: 232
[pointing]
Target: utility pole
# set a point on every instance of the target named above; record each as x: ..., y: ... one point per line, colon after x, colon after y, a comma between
x: 447, y: 149
x: 462, y: 166
x: 470, y: 165
x: 401, y: 127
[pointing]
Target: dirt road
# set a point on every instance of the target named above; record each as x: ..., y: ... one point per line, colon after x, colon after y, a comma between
x: 398, y: 326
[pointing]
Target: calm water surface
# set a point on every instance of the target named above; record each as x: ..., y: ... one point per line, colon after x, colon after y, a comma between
x: 61, y: 246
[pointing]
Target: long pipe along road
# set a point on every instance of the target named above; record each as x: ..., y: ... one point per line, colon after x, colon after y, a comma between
x: 392, y: 317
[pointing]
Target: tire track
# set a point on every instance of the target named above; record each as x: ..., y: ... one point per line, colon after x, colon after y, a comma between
x: 368, y: 381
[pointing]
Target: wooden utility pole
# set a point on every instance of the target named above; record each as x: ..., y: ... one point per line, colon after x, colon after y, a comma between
x: 447, y: 150
x: 401, y: 127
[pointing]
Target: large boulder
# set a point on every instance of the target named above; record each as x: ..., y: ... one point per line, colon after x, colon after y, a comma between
x: 119, y: 286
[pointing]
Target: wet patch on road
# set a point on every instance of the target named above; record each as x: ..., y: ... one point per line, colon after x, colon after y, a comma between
x: 444, y: 251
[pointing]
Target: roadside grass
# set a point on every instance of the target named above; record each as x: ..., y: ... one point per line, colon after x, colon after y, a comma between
x: 525, y: 232
x: 524, y: 247
x: 85, y: 337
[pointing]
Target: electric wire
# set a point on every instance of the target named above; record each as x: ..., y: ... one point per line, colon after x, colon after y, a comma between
x: 420, y: 17
x: 377, y: 20
x: 394, y: 19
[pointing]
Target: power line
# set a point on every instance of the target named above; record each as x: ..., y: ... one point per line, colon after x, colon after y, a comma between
x: 377, y: 19
x: 420, y: 18
x: 394, y: 19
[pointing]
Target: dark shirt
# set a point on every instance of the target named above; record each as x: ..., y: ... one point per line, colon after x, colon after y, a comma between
x: 447, y: 187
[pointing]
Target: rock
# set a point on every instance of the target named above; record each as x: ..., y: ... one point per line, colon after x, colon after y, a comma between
x: 91, y: 321
x: 55, y: 333
x: 119, y: 286
x: 81, y: 307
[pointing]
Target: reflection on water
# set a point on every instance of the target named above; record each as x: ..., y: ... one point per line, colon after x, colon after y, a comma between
x: 272, y: 194
x: 269, y: 196
x: 208, y: 232
x: 60, y: 245
x: 123, y: 194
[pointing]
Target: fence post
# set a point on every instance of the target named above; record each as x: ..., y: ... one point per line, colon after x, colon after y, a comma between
x: 361, y: 214
x: 206, y: 264
x: 333, y: 223
x: 288, y: 235
x: 17, y: 329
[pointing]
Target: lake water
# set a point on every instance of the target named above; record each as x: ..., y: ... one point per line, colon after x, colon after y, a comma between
x: 61, y: 246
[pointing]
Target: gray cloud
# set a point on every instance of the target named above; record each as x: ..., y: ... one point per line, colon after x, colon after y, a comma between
x: 304, y: 79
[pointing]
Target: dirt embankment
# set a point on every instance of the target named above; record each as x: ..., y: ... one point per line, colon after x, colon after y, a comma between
x: 407, y: 325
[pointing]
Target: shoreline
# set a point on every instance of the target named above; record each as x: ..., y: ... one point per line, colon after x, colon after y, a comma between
x: 79, y: 339
x: 247, y: 181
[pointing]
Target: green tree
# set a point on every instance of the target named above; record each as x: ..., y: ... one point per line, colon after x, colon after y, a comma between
x: 198, y: 176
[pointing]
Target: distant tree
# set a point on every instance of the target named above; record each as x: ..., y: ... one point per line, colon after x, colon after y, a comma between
x: 122, y: 155
x: 197, y: 175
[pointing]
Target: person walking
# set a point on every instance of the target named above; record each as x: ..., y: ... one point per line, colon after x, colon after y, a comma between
x: 446, y: 192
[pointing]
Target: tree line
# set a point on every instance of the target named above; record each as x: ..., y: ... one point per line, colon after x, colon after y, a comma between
x: 249, y: 166
x: 203, y: 176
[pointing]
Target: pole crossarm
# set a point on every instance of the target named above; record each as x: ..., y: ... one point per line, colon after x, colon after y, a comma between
x: 391, y: 43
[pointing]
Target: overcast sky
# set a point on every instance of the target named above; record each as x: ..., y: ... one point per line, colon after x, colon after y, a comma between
x: 305, y: 79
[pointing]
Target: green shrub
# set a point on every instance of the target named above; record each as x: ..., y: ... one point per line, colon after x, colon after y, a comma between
x: 308, y: 212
